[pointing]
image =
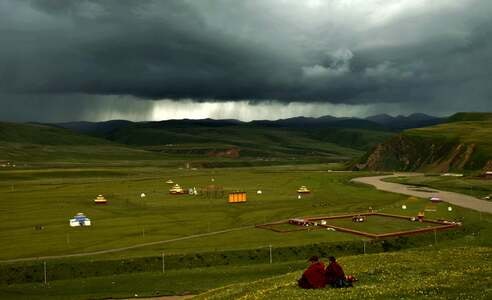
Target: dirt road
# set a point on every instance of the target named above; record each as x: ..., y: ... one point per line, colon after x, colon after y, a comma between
x: 450, y: 197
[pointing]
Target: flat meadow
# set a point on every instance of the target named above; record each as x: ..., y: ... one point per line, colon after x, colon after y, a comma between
x: 192, y: 231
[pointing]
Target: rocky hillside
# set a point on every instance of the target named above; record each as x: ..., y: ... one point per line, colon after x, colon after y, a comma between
x: 464, y: 143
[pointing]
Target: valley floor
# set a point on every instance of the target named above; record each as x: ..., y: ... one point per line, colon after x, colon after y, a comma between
x: 229, y: 264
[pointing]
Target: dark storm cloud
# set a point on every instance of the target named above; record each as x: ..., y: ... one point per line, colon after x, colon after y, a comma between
x: 312, y: 51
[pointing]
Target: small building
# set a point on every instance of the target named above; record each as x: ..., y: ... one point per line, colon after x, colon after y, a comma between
x: 452, y: 174
x: 80, y: 220
x: 303, y: 190
x: 237, y: 197
x: 487, y: 174
x: 100, y: 200
x: 420, y: 216
x: 435, y: 199
x: 358, y: 219
x: 176, y: 190
x: 298, y: 221
x: 169, y: 181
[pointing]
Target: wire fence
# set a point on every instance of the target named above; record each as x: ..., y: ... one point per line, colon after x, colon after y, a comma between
x: 44, y: 271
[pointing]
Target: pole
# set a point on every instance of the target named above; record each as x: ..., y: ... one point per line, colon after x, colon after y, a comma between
x: 271, y: 257
x: 45, y: 273
x: 163, y: 263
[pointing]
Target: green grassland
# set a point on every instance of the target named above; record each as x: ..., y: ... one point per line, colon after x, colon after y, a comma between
x: 457, y: 273
x: 431, y: 273
x: 59, y: 173
x: 378, y: 224
x: 253, y: 141
x: 50, y: 197
x: 35, y: 144
x: 170, y: 145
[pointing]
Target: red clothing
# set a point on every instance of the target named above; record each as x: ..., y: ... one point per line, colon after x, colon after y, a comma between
x: 334, y: 272
x: 315, y: 276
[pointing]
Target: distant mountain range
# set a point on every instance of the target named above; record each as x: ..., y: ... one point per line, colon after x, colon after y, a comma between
x: 406, y: 122
x: 381, y: 122
x: 415, y: 142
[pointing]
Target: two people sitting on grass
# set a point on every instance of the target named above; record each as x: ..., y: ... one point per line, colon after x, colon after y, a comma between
x: 316, y: 276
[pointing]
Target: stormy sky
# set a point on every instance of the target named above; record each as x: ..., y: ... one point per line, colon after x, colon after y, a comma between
x: 264, y: 59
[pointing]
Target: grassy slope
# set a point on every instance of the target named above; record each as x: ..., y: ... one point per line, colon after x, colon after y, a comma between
x: 431, y: 273
x: 43, y: 135
x: 455, y: 273
x: 34, y: 143
x: 463, y: 143
x: 253, y: 140
x: 173, y: 282
x: 173, y: 143
x: 468, y: 132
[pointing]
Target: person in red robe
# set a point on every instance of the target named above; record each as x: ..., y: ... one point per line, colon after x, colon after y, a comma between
x: 334, y: 274
x: 314, y: 276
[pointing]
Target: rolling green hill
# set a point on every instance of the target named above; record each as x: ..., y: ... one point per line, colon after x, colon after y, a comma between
x: 43, y: 135
x: 202, y: 142
x: 463, y: 143
x: 216, y: 138
x: 28, y: 143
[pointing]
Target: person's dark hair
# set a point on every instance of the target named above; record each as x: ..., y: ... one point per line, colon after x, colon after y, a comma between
x: 314, y: 258
x: 332, y: 258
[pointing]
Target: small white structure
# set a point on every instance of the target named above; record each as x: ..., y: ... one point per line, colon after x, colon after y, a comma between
x: 450, y: 208
x: 142, y: 195
x: 323, y: 222
x: 435, y: 199
x: 403, y: 206
x: 80, y: 220
x: 259, y: 192
x: 169, y: 181
x: 453, y: 174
